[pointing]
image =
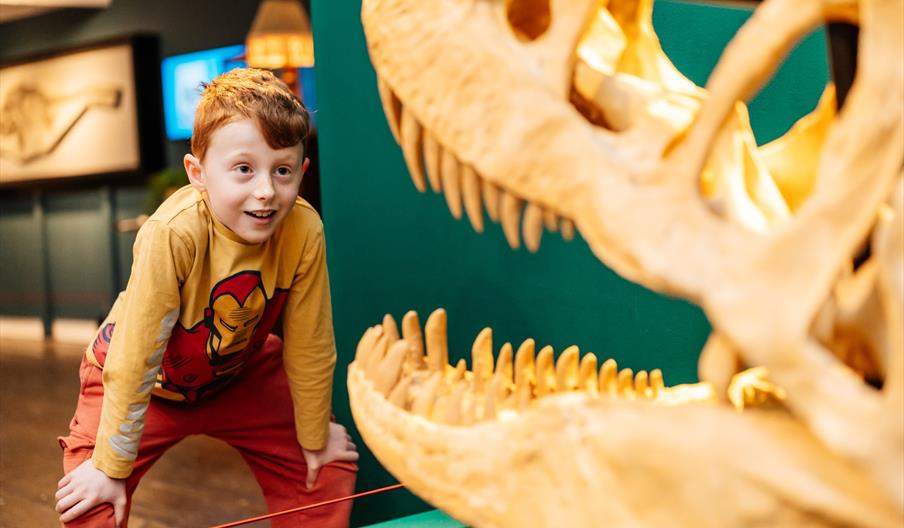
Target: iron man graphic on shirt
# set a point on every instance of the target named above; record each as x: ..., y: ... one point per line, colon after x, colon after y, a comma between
x: 204, y: 358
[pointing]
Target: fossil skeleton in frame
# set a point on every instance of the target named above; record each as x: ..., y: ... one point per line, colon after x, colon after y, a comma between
x: 34, y: 123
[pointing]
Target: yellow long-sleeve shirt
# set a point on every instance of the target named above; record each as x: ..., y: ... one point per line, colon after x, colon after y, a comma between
x: 198, y: 306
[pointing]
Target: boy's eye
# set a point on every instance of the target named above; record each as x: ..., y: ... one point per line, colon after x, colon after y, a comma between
x: 244, y: 169
x: 284, y: 171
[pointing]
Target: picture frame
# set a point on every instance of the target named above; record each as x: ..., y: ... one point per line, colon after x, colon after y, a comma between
x: 89, y: 112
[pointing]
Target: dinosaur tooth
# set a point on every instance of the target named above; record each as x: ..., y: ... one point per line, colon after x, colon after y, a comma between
x: 482, y: 358
x: 399, y: 396
x: 550, y: 220
x: 587, y: 380
x: 388, y: 335
x: 390, y: 368
x: 449, y: 408
x: 392, y: 107
x: 657, y: 384
x: 546, y: 374
x: 390, y: 329
x: 641, y: 384
x: 412, y: 141
x: 490, y: 193
x: 567, y: 227
x: 470, y: 191
x: 510, y: 212
x: 504, y: 362
x: 524, y: 373
x: 437, y: 347
x: 411, y: 332
x: 451, y: 178
x: 567, y: 369
x: 425, y: 396
x: 499, y: 394
x: 524, y: 363
x: 376, y: 356
x: 607, y: 377
x: 492, y: 398
x: 533, y: 227
x: 626, y: 383
x: 432, y: 155
x: 366, y: 344
x: 458, y: 372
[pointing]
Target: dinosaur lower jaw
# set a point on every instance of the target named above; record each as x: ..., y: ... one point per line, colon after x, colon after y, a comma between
x: 521, y: 440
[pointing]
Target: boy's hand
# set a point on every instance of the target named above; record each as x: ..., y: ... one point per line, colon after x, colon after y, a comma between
x: 339, y: 446
x: 84, y: 488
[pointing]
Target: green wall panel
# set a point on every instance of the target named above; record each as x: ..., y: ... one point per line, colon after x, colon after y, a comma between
x: 129, y: 203
x: 21, y: 289
x: 87, y: 262
x: 391, y: 249
x: 78, y: 245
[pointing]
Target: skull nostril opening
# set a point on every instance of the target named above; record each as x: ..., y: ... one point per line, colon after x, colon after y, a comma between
x: 529, y: 19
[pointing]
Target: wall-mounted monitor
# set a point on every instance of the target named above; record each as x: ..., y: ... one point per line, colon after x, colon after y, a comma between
x: 182, y: 76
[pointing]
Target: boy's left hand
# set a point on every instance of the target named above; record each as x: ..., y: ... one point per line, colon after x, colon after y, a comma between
x: 339, y: 446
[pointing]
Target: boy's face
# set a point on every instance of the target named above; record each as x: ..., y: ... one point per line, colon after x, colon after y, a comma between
x: 251, y: 186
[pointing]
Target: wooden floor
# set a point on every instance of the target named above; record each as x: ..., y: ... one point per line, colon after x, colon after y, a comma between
x: 200, y: 482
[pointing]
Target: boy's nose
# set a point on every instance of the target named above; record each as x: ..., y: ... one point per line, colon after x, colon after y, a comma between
x: 264, y: 189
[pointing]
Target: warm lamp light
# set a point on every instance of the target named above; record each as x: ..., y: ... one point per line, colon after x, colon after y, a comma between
x: 280, y: 36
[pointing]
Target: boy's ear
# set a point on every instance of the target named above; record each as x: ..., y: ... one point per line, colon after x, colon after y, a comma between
x: 304, y: 165
x: 194, y: 171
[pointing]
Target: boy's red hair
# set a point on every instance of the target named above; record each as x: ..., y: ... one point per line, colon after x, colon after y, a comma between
x: 254, y: 94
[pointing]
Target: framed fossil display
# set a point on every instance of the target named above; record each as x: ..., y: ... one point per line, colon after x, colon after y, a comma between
x: 92, y: 111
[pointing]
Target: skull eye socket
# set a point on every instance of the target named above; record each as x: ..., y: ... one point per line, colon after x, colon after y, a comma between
x: 529, y: 19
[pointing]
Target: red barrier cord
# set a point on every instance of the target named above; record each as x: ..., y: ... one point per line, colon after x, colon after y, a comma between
x: 307, y: 507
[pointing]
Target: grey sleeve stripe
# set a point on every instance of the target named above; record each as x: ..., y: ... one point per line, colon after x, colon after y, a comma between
x: 126, y: 444
x: 136, y: 411
x: 157, y: 357
x: 134, y: 427
x: 166, y: 329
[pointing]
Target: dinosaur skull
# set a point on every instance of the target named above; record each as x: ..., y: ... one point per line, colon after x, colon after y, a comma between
x: 570, y: 111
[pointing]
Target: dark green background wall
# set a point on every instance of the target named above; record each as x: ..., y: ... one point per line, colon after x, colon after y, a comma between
x: 59, y: 254
x: 392, y: 249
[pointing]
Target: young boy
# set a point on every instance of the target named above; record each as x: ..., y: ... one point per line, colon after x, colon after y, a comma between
x: 187, y: 348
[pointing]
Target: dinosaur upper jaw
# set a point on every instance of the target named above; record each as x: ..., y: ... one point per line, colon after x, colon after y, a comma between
x: 459, y: 134
x: 503, y: 134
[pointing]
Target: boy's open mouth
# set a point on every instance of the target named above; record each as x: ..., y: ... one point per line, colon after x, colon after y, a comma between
x: 261, y: 214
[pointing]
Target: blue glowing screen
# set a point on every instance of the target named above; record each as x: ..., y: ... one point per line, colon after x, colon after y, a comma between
x: 182, y: 76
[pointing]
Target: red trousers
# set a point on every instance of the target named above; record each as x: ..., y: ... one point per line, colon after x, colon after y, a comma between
x: 253, y: 415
